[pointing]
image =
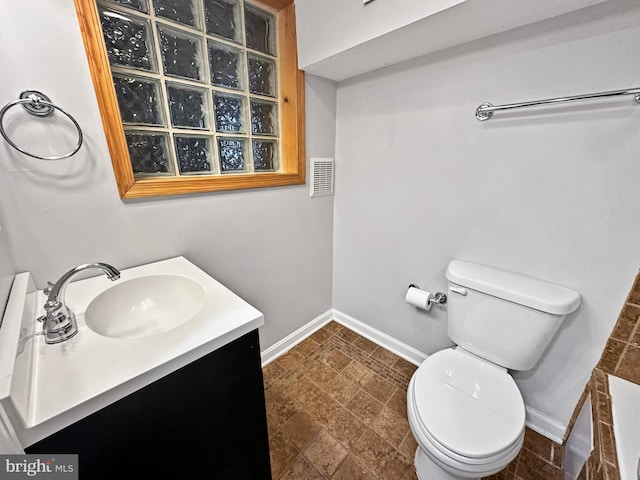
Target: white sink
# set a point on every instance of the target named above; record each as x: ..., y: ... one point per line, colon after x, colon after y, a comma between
x: 154, y: 320
x: 145, y: 306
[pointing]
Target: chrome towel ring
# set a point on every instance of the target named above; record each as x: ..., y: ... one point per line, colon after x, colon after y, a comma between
x: 38, y: 104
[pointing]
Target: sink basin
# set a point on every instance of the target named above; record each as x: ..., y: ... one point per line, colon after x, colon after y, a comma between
x: 145, y: 306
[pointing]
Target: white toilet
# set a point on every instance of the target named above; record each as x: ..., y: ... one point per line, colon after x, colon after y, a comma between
x: 464, y: 408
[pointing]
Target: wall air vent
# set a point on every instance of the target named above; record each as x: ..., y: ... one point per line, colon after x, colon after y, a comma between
x: 321, y: 177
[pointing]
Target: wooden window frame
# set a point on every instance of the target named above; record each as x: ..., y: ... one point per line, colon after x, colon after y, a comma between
x: 292, y: 121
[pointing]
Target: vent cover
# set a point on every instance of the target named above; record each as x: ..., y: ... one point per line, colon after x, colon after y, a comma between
x: 321, y: 177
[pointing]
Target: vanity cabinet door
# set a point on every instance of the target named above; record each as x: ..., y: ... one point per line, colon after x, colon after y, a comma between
x: 205, y: 420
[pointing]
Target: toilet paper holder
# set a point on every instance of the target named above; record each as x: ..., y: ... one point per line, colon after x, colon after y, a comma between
x: 439, y: 298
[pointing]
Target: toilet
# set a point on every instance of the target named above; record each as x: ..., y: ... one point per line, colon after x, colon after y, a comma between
x: 465, y: 410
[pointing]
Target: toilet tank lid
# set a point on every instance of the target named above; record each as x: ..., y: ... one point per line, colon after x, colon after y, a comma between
x: 530, y: 292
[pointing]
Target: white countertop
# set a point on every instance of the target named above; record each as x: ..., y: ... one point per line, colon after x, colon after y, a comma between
x: 75, y: 378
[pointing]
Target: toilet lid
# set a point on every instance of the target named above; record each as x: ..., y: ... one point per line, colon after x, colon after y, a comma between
x: 471, y: 407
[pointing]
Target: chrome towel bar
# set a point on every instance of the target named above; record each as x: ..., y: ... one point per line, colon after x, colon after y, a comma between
x: 486, y: 110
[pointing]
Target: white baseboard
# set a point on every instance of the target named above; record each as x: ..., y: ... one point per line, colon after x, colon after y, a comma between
x: 376, y: 336
x: 545, y: 425
x: 290, y: 341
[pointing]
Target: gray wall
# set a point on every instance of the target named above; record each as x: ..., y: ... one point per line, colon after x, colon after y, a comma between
x: 551, y: 193
x: 271, y: 246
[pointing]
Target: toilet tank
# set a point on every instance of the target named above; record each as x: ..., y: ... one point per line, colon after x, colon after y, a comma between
x: 506, y: 318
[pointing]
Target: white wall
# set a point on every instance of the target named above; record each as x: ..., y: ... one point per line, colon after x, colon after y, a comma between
x: 271, y: 246
x: 551, y: 193
x: 357, y: 38
x: 344, y: 24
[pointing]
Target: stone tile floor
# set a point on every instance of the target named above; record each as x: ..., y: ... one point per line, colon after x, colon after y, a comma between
x: 336, y: 408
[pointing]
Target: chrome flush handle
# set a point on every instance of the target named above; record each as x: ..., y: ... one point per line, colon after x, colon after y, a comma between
x: 459, y: 291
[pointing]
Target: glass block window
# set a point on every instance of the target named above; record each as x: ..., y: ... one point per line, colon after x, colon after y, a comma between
x: 188, y: 106
x: 148, y: 151
x: 196, y: 83
x: 128, y: 39
x: 182, y: 11
x: 139, y: 100
x: 193, y: 154
x: 223, y: 18
x: 141, y: 5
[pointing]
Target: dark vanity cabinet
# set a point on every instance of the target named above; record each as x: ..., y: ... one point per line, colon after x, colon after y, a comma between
x: 206, y: 420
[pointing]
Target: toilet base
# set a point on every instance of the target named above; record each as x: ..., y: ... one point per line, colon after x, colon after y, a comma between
x: 427, y: 469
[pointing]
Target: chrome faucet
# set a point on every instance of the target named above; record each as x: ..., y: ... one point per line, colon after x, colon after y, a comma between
x: 58, y: 322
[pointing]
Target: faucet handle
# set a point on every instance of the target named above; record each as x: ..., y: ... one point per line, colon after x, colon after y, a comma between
x: 51, y: 306
x: 47, y: 290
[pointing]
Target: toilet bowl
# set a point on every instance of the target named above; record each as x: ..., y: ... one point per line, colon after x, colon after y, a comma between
x: 464, y: 408
x: 466, y: 414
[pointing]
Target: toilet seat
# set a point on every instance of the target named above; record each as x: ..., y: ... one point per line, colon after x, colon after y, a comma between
x: 466, y: 412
